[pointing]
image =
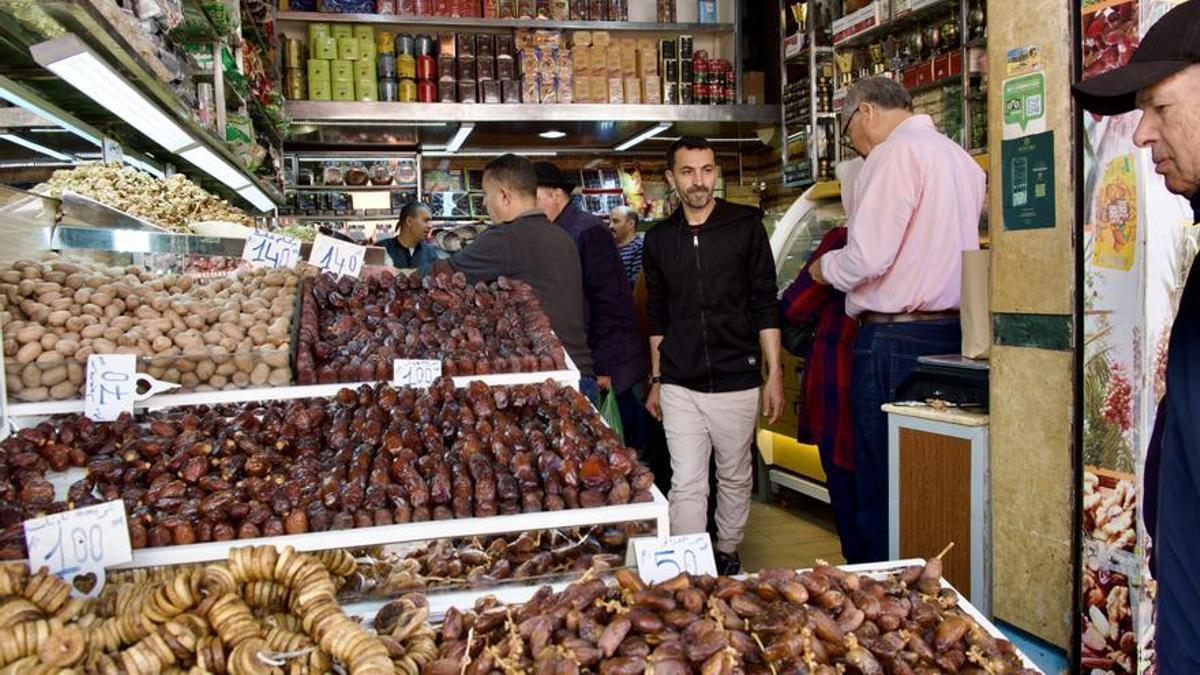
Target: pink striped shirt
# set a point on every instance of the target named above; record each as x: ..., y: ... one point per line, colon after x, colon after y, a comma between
x: 917, y: 204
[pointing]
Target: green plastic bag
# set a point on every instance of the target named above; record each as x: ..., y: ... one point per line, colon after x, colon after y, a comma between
x: 612, y: 413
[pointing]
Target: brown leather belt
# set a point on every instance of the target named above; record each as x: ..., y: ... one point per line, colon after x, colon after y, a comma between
x: 871, y: 318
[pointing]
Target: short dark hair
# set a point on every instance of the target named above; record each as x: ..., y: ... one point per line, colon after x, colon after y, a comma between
x: 515, y: 172
x: 686, y: 143
x: 410, y: 210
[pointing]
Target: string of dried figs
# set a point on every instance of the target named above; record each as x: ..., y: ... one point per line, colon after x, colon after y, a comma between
x: 216, y: 334
x: 779, y: 621
x: 367, y: 457
x: 351, y: 330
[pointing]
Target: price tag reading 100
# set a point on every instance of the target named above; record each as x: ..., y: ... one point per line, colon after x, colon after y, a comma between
x: 83, y: 541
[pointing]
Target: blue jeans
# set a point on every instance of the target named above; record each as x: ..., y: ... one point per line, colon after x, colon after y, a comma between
x: 884, y: 355
x: 591, y: 389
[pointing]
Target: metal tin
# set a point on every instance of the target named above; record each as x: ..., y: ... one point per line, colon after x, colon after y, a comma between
x: 388, y: 90
x: 341, y: 30
x: 318, y: 69
x: 447, y: 92
x: 343, y: 91
x: 407, y: 91
x: 385, y: 42
x: 365, y: 70
x: 406, y: 66
x: 319, y: 90
x: 668, y: 49
x: 293, y: 53
x: 295, y: 86
x: 426, y: 67
x: 317, y: 31
x: 423, y: 45
x: 348, y: 49
x: 366, y: 90
x: 366, y: 48
x: 324, y: 48
x: 687, y: 45
x: 341, y: 71
x: 385, y: 65
x: 671, y: 70
x: 405, y: 44
x: 427, y: 91
x: 686, y: 74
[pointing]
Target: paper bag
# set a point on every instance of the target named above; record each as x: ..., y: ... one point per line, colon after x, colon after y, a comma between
x: 976, y: 315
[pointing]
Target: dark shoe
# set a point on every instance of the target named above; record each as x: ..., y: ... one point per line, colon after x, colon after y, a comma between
x: 728, y: 564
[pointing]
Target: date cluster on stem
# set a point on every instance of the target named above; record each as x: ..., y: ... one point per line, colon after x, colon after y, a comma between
x: 352, y: 330
x: 366, y: 457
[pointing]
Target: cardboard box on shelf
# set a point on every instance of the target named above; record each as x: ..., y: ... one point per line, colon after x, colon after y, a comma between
x: 616, y: 90
x: 599, y: 88
x: 754, y: 87
x: 613, y: 63
x: 647, y: 62
x: 649, y: 44
x: 548, y: 91
x: 633, y: 90
x: 581, y: 38
x: 599, y: 58
x: 601, y: 38
x: 652, y: 90
x: 582, y: 88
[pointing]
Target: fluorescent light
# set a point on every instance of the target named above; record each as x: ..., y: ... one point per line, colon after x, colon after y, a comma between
x: 71, y: 60
x: 460, y: 137
x: 257, y: 197
x: 649, y: 133
x: 212, y: 164
x: 497, y: 153
x: 14, y: 94
x: 37, y: 147
x: 553, y: 134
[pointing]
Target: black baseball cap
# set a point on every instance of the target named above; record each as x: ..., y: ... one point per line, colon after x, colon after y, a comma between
x: 1170, y: 45
x: 549, y: 175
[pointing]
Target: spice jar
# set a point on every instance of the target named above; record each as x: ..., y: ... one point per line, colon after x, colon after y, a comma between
x: 406, y: 66
x: 407, y: 90
x: 426, y: 67
x: 427, y: 91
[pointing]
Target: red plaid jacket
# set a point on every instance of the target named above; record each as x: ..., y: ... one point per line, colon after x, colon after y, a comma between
x: 825, y: 415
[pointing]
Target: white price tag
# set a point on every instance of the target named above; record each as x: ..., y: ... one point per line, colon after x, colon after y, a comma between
x: 665, y: 558
x: 415, y: 372
x: 80, y: 542
x: 112, y: 386
x: 274, y: 251
x: 336, y: 256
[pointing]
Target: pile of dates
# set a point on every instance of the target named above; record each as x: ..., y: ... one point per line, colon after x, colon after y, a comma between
x: 351, y: 330
x: 367, y: 457
x: 486, y: 560
x: 824, y: 621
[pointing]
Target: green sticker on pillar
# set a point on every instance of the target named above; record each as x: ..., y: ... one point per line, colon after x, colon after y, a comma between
x: 1028, y: 182
x: 1024, y: 99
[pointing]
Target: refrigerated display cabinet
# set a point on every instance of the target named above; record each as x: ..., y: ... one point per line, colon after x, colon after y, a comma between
x: 787, y: 462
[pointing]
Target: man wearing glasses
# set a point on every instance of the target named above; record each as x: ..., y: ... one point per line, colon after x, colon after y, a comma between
x: 919, y: 196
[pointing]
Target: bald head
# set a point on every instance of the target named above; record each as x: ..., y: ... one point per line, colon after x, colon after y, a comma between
x: 623, y: 221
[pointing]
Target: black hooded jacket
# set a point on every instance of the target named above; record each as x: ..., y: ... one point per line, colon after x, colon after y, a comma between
x: 711, y: 290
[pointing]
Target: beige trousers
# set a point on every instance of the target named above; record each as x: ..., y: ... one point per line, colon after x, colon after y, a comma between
x: 696, y: 424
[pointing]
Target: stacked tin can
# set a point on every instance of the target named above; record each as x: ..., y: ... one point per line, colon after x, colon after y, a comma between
x: 713, y: 80
x: 426, y: 69
x: 385, y: 65
x: 322, y: 52
x: 295, y: 86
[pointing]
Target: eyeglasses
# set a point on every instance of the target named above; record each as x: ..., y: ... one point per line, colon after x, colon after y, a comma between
x: 846, y: 126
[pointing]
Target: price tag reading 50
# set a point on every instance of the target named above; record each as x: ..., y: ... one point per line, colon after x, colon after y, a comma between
x: 275, y: 251
x: 337, y: 257
x: 415, y: 372
x: 80, y: 542
x: 662, y: 559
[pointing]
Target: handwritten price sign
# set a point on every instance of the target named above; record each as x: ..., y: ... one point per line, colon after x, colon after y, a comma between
x: 274, y: 251
x: 337, y: 257
x: 662, y: 559
x: 415, y: 372
x: 112, y: 386
x: 80, y: 542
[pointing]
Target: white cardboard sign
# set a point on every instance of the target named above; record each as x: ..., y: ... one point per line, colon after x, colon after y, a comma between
x: 336, y: 256
x: 112, y: 383
x: 415, y: 372
x: 274, y: 251
x: 78, y: 542
x: 659, y: 559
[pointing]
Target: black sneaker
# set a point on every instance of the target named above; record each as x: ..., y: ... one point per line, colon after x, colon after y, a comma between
x: 728, y: 564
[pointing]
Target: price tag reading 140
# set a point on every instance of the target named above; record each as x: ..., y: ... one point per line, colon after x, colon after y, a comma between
x: 80, y: 542
x: 337, y: 257
x: 275, y: 251
x: 662, y: 559
x: 415, y: 372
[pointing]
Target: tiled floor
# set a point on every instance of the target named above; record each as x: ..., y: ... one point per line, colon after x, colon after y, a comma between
x: 790, y: 531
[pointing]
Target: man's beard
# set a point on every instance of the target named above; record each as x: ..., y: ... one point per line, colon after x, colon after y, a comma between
x: 698, y: 199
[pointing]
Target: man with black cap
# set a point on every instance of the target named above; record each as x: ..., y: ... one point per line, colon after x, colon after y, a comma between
x: 620, y: 358
x: 1162, y: 79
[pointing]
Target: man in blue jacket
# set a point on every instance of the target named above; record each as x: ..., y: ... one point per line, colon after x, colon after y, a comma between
x: 1162, y: 79
x: 409, y: 249
x: 620, y: 357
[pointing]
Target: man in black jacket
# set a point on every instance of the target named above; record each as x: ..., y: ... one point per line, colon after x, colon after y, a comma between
x: 524, y: 245
x: 713, y: 314
x: 618, y: 352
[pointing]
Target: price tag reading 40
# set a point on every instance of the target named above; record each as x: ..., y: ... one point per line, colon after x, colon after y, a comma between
x: 82, y: 542
x: 415, y: 372
x: 112, y: 386
x: 275, y: 251
x: 337, y: 257
x: 662, y: 559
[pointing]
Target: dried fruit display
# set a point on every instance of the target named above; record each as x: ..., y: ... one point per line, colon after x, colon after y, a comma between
x: 351, y: 330
x: 262, y: 611
x: 1110, y: 36
x: 481, y: 561
x: 217, y: 334
x: 1109, y: 503
x: 823, y: 621
x: 371, y: 456
x: 173, y: 203
x: 1109, y: 643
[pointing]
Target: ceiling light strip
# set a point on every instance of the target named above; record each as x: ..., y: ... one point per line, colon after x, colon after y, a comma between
x: 37, y: 147
x: 460, y: 137
x: 645, y: 135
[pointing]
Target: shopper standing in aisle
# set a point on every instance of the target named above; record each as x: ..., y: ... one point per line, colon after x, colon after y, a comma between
x: 1162, y: 79
x: 618, y: 354
x: 713, y: 316
x: 524, y: 245
x: 919, y: 197
x: 623, y: 222
x: 409, y: 248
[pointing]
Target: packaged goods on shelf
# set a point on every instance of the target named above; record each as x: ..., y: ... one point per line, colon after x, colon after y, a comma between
x: 505, y: 330
x: 226, y: 333
x: 172, y: 203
